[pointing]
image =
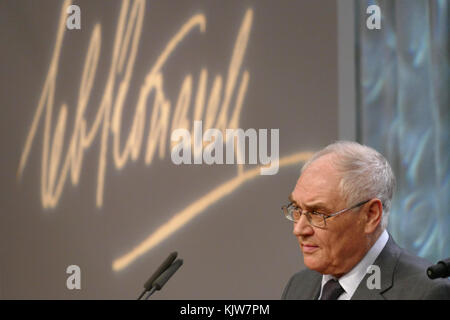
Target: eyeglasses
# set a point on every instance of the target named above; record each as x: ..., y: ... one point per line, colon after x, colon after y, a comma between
x: 316, y: 219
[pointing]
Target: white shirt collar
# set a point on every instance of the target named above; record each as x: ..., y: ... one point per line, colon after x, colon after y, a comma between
x: 350, y: 281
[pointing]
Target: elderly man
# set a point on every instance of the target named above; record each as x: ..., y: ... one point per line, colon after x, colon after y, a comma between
x: 340, y: 207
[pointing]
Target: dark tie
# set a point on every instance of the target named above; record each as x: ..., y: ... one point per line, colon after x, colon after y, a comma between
x: 331, y: 290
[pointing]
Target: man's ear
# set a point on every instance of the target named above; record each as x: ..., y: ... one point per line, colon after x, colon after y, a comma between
x: 374, y: 213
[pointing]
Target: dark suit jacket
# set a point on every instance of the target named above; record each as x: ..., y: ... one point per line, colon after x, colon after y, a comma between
x: 403, y: 276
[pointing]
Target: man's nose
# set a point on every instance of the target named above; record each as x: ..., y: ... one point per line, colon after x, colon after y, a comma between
x: 302, y: 227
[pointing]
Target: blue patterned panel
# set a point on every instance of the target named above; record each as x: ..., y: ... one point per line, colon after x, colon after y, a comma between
x: 403, y: 93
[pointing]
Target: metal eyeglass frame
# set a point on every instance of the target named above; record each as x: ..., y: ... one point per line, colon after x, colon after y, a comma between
x: 288, y: 209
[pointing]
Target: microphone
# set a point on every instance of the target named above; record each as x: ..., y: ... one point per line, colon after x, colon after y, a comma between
x: 164, y: 277
x: 166, y: 264
x: 439, y: 270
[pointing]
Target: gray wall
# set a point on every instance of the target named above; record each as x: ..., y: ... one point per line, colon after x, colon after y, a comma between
x: 239, y: 246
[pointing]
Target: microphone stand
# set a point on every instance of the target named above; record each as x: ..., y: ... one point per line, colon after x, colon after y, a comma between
x: 149, y: 293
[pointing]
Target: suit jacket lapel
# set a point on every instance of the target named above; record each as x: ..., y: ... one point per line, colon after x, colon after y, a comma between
x: 314, y: 283
x: 316, y: 289
x: 386, y: 261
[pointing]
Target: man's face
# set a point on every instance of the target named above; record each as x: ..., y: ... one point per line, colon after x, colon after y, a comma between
x: 338, y: 248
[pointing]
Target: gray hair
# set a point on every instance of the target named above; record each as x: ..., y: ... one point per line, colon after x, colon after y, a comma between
x: 365, y: 173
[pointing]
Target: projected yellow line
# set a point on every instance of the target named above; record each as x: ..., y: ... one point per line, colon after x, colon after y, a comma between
x: 197, y: 207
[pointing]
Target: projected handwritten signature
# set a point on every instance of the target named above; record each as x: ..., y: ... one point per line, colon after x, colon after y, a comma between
x: 109, y: 115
